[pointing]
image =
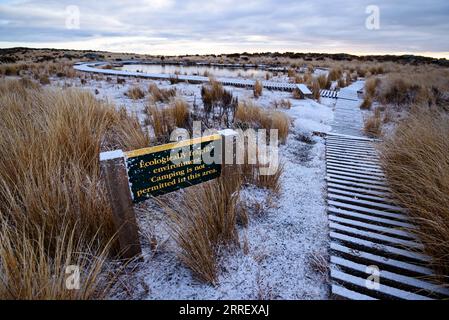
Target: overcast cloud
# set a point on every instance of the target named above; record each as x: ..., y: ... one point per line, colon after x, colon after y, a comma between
x: 192, y: 26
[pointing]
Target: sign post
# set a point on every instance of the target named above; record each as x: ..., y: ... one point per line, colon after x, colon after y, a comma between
x: 138, y: 175
x: 113, y: 169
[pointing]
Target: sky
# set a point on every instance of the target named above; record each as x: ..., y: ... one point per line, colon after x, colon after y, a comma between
x: 177, y: 27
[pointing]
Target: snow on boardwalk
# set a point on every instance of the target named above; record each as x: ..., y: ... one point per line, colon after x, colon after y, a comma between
x: 348, y: 117
x: 95, y: 67
x: 370, y: 234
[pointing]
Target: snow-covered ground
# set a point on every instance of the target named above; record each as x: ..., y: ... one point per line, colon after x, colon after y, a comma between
x: 283, y: 242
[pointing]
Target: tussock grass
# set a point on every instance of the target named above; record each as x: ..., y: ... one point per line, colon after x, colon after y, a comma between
x: 367, y: 103
x: 373, y: 124
x: 44, y: 80
x: 204, y: 222
x: 283, y: 103
x: 29, y: 272
x: 161, y: 122
x: 250, y: 115
x: 370, y: 87
x: 161, y: 95
x: 316, y: 90
x: 406, y: 88
x: 214, y: 95
x: 324, y: 81
x: 135, y: 93
x: 416, y: 162
x: 53, y: 207
x: 165, y: 120
x: 258, y: 89
x: 179, y: 110
x: 335, y: 74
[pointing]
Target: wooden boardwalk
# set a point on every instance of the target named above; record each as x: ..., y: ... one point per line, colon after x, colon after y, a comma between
x: 95, y: 67
x: 368, y: 230
x: 328, y: 93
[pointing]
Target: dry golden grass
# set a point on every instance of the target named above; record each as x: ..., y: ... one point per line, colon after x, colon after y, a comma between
x: 161, y: 122
x: 283, y: 104
x: 44, y: 80
x: 135, y: 93
x: 416, y: 162
x: 214, y: 94
x: 51, y: 194
x: 373, y: 124
x: 252, y: 116
x: 258, y: 89
x: 165, y: 120
x: 316, y: 90
x: 324, y: 81
x: 335, y: 74
x: 411, y: 86
x: 296, y: 94
x: 179, y: 110
x: 370, y: 87
x: 161, y: 95
x: 204, y: 221
x: 367, y: 103
x: 29, y: 272
x: 251, y: 174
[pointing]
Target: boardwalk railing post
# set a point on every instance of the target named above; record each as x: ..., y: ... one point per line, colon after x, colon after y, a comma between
x: 113, y: 169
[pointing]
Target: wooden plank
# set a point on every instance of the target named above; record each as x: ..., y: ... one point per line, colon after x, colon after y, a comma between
x: 342, y: 292
x: 358, y: 184
x: 362, y: 166
x: 387, y: 290
x: 352, y: 160
x: 381, y: 261
x: 375, y: 236
x: 355, y: 169
x: 375, y: 227
x: 369, y: 182
x: 345, y: 137
x: 371, y: 219
x: 399, y: 278
x: 386, y: 249
x: 352, y: 151
x: 362, y: 191
x: 345, y: 147
x: 359, y: 195
x: 343, y: 173
x: 364, y: 210
x: 360, y: 158
x: 366, y: 202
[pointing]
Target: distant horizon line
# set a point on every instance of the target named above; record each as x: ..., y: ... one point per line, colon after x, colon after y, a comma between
x: 396, y: 54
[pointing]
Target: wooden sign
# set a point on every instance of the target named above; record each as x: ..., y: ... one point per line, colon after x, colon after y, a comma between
x: 135, y: 176
x: 162, y: 169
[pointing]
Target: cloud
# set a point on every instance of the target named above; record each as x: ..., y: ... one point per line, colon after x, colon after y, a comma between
x: 194, y: 26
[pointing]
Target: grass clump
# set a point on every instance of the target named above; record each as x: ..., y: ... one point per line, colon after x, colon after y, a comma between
x: 416, y: 162
x: 161, y: 95
x: 204, y: 222
x: 135, y: 93
x: 373, y: 124
x: 249, y: 115
x: 53, y: 206
x: 367, y: 103
x: 164, y: 120
x: 257, y: 90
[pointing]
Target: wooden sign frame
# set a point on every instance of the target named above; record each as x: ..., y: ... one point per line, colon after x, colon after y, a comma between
x: 114, y: 169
